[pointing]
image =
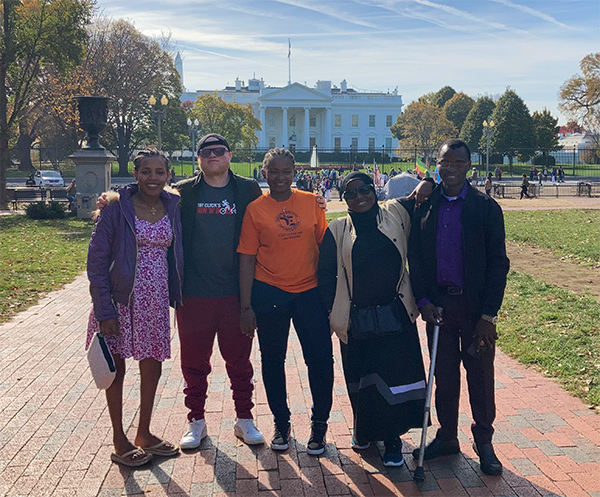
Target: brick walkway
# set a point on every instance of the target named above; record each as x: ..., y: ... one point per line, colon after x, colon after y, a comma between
x: 55, y: 436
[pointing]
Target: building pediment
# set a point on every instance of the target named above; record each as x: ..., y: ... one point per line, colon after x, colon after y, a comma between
x: 294, y: 93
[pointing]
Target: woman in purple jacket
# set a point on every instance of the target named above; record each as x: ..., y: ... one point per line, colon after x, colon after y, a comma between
x: 135, y: 264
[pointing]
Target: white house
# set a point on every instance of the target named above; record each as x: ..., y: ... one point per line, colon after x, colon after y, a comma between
x: 333, y: 118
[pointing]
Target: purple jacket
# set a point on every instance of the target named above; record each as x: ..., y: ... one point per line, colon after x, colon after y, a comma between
x: 112, y: 255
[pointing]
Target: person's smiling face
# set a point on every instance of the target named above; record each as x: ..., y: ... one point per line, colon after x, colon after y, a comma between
x: 359, y: 196
x: 280, y: 175
x: 152, y: 176
x: 453, y: 165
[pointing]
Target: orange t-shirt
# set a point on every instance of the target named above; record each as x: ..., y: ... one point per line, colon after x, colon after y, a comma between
x: 285, y: 237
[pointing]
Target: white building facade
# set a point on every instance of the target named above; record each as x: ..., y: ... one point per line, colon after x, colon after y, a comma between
x: 332, y: 118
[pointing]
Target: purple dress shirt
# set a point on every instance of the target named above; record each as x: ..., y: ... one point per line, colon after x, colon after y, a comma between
x: 449, y: 246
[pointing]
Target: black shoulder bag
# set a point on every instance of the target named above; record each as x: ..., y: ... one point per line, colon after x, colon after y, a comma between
x: 373, y: 321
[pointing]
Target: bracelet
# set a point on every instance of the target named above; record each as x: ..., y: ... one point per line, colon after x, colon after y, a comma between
x: 244, y: 309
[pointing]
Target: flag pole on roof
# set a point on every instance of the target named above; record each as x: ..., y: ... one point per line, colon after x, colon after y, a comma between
x: 289, y: 61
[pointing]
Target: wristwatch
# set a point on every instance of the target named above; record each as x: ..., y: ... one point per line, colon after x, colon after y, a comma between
x: 490, y: 319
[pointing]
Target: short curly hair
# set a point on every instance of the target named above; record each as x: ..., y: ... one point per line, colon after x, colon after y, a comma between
x: 148, y: 153
x: 276, y: 153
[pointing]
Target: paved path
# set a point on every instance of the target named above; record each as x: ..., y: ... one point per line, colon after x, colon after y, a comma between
x: 55, y: 436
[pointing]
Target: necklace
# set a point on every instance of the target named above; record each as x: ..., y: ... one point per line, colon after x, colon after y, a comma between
x: 152, y: 207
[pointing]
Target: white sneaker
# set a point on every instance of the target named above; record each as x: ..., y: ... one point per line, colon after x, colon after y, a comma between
x: 193, y: 437
x: 246, y: 430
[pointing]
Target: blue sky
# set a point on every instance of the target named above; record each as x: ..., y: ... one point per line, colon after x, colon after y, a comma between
x: 476, y: 46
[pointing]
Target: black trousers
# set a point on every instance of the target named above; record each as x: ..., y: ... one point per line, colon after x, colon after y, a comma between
x: 456, y: 336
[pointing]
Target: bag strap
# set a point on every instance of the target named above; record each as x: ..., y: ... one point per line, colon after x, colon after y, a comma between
x: 343, y: 264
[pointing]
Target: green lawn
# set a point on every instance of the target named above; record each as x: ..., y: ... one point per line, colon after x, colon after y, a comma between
x: 554, y: 330
x: 38, y: 256
x: 569, y: 233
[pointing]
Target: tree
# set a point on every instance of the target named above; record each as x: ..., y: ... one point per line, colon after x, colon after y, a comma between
x: 428, y: 98
x: 174, y: 129
x: 423, y: 126
x: 571, y: 127
x: 580, y: 96
x: 235, y: 122
x: 457, y: 109
x: 443, y: 95
x: 134, y: 68
x: 34, y: 34
x: 546, y: 130
x: 513, y: 127
x: 472, y: 130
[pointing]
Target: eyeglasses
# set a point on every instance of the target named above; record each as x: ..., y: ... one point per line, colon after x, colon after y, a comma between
x: 219, y: 152
x: 442, y: 164
x: 363, y: 190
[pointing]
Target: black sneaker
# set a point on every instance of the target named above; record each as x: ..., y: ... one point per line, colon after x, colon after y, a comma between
x: 316, y: 442
x: 281, y: 437
x: 393, y: 453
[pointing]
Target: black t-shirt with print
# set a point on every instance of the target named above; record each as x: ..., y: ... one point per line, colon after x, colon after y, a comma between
x: 213, y: 272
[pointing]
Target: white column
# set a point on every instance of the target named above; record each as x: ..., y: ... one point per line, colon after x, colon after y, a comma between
x: 327, y: 143
x: 285, y: 127
x: 306, y: 140
x: 262, y: 138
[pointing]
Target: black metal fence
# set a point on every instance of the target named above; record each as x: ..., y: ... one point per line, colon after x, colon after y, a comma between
x: 574, y: 161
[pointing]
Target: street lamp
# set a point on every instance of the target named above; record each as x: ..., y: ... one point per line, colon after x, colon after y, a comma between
x: 193, y: 132
x: 158, y: 114
x: 488, y: 131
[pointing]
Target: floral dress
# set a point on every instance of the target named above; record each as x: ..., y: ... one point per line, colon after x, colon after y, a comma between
x: 144, y: 329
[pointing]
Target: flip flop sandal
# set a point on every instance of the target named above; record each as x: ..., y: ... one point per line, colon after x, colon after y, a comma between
x: 132, y: 459
x: 163, y: 448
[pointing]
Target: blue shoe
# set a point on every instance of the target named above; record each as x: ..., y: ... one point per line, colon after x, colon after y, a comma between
x: 392, y: 457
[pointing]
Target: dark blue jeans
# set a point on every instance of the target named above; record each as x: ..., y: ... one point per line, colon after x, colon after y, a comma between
x: 312, y: 326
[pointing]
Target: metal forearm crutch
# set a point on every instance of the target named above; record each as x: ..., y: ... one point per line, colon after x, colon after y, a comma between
x: 419, y: 474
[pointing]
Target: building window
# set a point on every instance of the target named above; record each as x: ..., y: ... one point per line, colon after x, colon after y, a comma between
x: 371, y: 121
x: 292, y: 120
x: 388, y: 143
x: 371, y: 144
x: 338, y: 120
x: 271, y: 120
x: 271, y: 142
x: 354, y: 143
x: 355, y: 120
x: 312, y: 141
x: 388, y: 121
x: 337, y: 143
x: 313, y: 120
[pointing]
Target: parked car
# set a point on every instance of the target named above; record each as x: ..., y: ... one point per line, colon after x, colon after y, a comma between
x: 48, y: 179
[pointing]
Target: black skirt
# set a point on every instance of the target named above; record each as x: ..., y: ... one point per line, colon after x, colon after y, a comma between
x: 386, y: 382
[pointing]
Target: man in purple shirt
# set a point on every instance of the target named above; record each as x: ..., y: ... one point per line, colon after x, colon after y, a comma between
x: 457, y: 259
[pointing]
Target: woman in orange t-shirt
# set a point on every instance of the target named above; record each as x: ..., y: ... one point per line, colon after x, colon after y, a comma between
x: 279, y: 255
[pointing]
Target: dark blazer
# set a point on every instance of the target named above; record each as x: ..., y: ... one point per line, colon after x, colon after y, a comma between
x: 246, y: 190
x: 484, y: 251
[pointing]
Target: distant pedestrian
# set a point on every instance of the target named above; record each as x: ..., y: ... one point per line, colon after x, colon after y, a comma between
x: 561, y: 175
x: 524, y: 187
x: 488, y: 184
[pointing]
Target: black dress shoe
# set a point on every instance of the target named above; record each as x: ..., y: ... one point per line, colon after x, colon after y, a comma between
x: 438, y: 448
x: 488, y: 461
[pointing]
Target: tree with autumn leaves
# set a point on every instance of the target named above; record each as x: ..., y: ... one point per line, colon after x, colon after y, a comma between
x: 34, y: 35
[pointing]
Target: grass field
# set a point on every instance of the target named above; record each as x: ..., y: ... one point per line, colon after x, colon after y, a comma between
x: 569, y: 233
x: 38, y: 256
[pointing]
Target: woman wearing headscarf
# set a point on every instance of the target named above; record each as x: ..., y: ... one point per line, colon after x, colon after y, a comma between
x: 362, y: 269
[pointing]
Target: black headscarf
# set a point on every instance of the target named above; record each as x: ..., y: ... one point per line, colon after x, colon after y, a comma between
x: 365, y: 178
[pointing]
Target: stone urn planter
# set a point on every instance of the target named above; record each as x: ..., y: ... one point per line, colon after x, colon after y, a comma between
x: 93, y: 117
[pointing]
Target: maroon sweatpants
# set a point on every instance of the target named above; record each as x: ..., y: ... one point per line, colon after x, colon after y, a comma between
x: 199, y: 320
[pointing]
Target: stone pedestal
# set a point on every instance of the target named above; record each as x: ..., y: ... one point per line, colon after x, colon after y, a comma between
x: 93, y: 175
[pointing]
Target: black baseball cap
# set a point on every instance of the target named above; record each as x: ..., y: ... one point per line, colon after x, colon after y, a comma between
x: 212, y: 139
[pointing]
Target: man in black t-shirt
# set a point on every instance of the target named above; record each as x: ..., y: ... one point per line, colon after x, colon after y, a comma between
x: 212, y: 207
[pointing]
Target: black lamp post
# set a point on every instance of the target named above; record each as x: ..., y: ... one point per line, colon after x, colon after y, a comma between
x: 158, y: 114
x: 193, y: 133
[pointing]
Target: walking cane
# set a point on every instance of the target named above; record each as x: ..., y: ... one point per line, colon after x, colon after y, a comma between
x: 419, y: 474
